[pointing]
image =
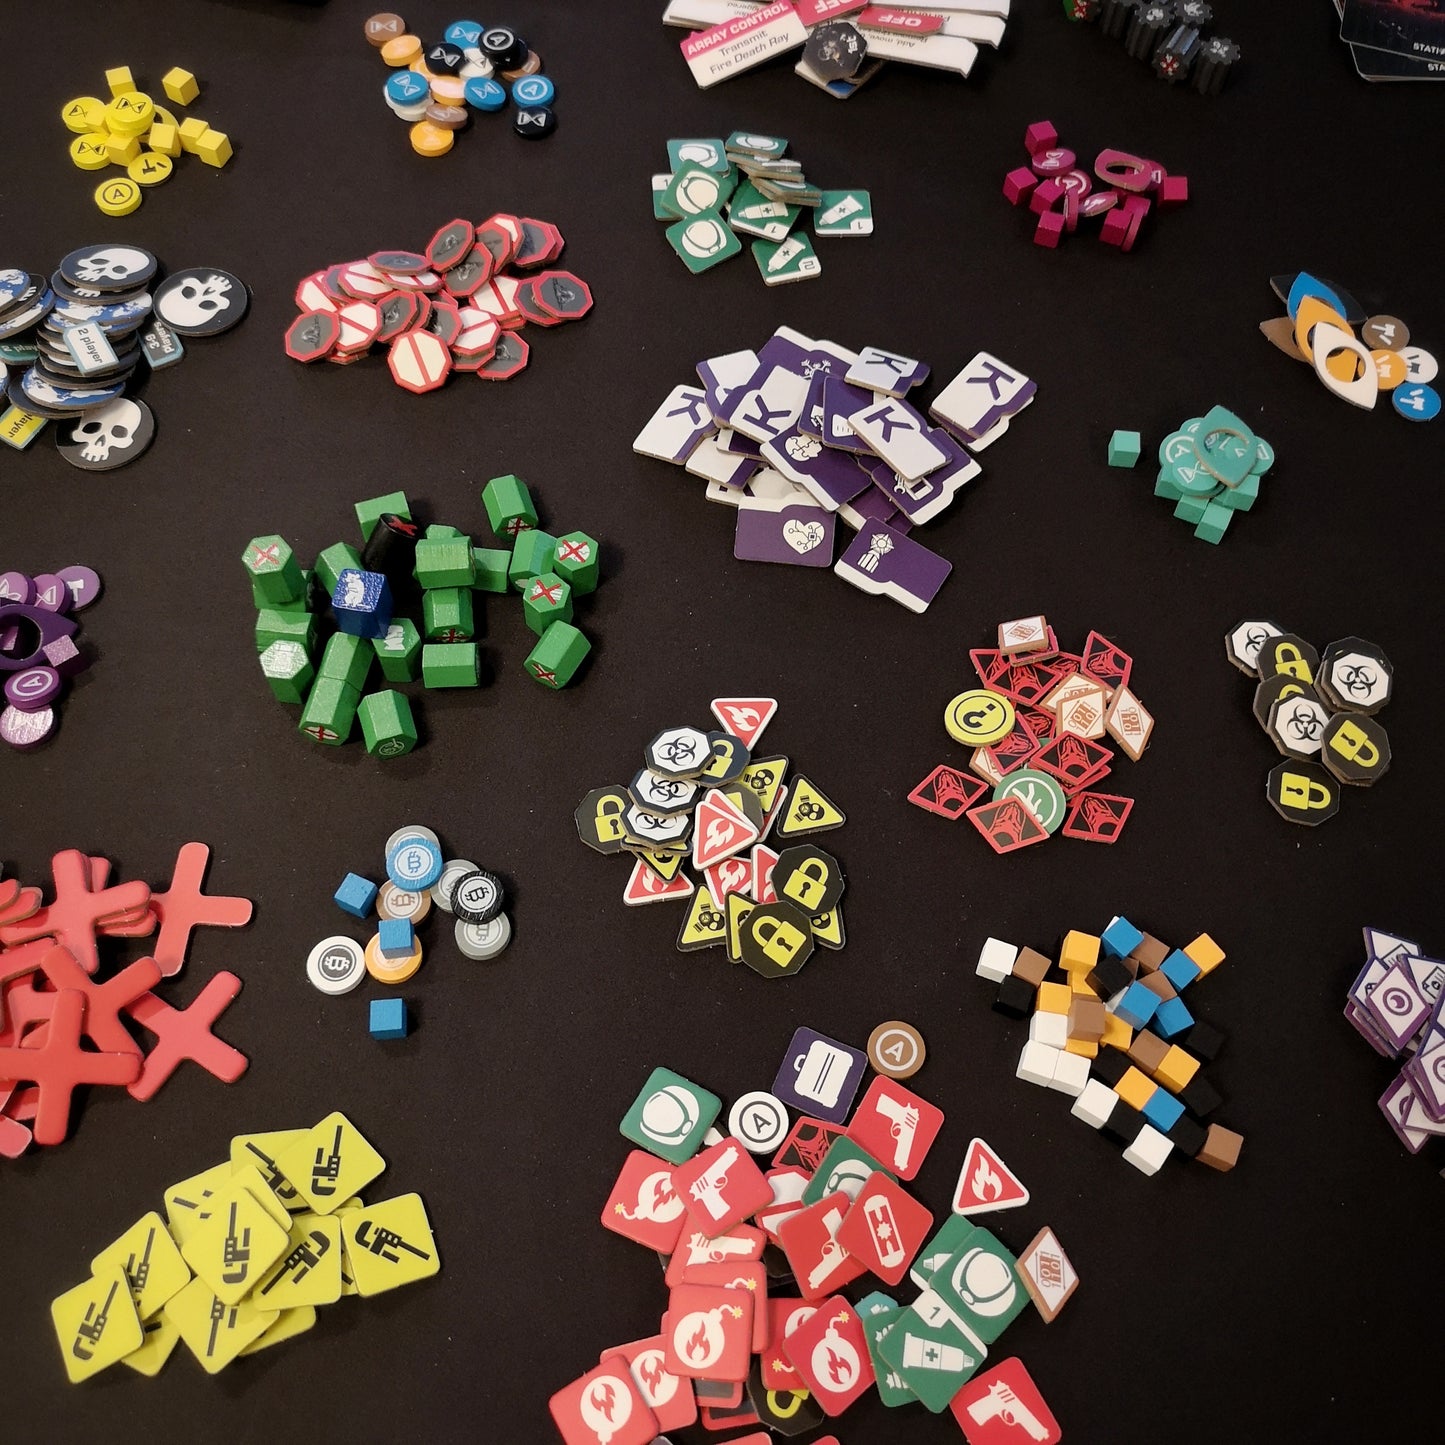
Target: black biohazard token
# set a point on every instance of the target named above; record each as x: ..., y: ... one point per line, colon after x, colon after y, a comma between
x: 201, y: 301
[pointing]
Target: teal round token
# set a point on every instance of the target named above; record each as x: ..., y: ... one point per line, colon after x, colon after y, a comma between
x: 1039, y: 793
x: 463, y: 33
x: 484, y: 94
x: 1178, y: 458
x: 1263, y: 457
x: 1416, y: 403
x: 406, y: 87
x: 533, y: 90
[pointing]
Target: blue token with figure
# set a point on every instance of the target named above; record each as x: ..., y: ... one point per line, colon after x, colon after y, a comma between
x: 484, y: 94
x: 463, y: 33
x: 533, y: 90
x: 406, y: 87
x: 1418, y: 402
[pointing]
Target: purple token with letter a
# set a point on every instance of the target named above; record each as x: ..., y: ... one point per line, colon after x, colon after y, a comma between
x: 26, y: 729
x: 51, y: 593
x: 83, y: 584
x: 16, y: 587
x: 33, y: 689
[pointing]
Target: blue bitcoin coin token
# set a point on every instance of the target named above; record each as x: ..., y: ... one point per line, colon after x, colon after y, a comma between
x: 414, y: 863
x: 533, y: 90
x: 464, y: 33
x: 1417, y: 403
x: 406, y: 87
x: 484, y: 94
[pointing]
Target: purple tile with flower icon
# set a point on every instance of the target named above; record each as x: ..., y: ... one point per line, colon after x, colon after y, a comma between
x: 884, y: 561
x: 797, y: 536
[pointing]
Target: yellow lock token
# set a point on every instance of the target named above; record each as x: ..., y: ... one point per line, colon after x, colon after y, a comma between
x: 260, y: 1151
x: 310, y: 1270
x: 117, y: 198
x: 215, y: 1332
x: 96, y: 1324
x: 88, y: 151
x: 289, y: 1324
x: 235, y: 1247
x: 389, y: 1244
x: 331, y: 1163
x: 150, y: 169
x: 152, y: 1263
x: 401, y: 51
x: 391, y: 970
x: 83, y: 113
x: 739, y: 906
x: 130, y: 114
x: 979, y: 717
x: 188, y: 1204
x: 431, y: 140
x: 161, y: 1338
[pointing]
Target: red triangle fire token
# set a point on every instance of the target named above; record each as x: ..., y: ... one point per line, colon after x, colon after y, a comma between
x: 645, y: 886
x: 986, y: 1183
x: 745, y: 717
x: 720, y: 831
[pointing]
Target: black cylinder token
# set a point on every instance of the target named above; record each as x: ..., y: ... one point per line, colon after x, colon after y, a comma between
x: 1195, y: 12
x: 1116, y: 15
x: 534, y: 122
x: 503, y: 47
x: 391, y: 548
x: 1176, y: 54
x: 443, y: 58
x: 1216, y: 59
x: 1147, y: 28
x: 477, y: 897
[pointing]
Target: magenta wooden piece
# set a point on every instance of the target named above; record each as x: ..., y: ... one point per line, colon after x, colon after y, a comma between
x: 1016, y: 188
x: 1053, y: 162
x: 83, y: 584
x: 24, y: 730
x: 1049, y: 230
x: 1047, y: 195
x: 1040, y: 136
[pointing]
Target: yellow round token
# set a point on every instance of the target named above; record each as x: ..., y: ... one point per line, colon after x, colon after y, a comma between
x: 88, y: 151
x: 117, y: 198
x: 150, y: 169
x: 130, y: 114
x: 431, y: 140
x: 390, y: 970
x: 394, y: 902
x: 448, y: 89
x: 401, y: 51
x: 83, y: 113
x: 979, y: 717
x: 164, y: 117
x: 1391, y: 367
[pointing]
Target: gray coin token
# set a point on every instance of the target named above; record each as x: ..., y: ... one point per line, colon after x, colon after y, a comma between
x: 453, y: 871
x: 758, y: 1121
x: 336, y: 965
x: 410, y: 830
x: 484, y: 940
x: 478, y: 897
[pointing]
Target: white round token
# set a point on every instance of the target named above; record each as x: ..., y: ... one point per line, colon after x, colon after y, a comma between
x: 1419, y: 364
x: 453, y: 871
x: 336, y: 965
x: 758, y: 1121
x: 482, y: 941
x: 409, y: 830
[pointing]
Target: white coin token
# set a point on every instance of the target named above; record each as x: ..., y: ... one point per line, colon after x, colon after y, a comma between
x: 336, y: 965
x: 453, y: 871
x: 758, y: 1121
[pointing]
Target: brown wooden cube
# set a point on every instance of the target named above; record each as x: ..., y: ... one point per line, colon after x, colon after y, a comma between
x: 1221, y: 1148
x: 1147, y: 1050
x: 1087, y: 1018
x: 1150, y: 954
x: 1032, y: 967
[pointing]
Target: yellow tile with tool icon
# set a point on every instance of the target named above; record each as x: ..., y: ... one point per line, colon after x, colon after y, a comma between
x: 289, y: 1324
x: 389, y: 1244
x: 260, y: 1151
x: 233, y: 1250
x: 215, y: 1332
x: 96, y: 1324
x: 161, y: 1338
x: 188, y: 1204
x: 331, y: 1163
x: 153, y: 1266
x: 310, y: 1270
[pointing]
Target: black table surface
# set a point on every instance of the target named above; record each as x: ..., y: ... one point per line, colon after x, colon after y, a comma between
x: 1291, y: 1298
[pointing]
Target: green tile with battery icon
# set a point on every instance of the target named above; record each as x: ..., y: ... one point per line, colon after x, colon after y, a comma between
x: 845, y: 1169
x: 933, y: 1360
x: 790, y: 260
x: 670, y: 1116
x: 980, y: 1287
x: 331, y: 1163
x: 844, y: 213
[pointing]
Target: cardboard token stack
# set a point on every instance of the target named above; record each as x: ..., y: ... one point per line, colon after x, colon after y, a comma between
x: 35, y: 681
x: 803, y: 433
x: 247, y: 1253
x: 1172, y: 37
x: 1109, y: 1028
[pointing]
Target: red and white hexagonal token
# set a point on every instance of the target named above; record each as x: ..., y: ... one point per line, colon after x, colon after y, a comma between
x: 364, y: 281
x: 360, y: 321
x: 419, y: 361
x: 479, y: 333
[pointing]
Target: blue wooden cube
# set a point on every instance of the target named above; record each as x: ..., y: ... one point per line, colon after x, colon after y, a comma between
x: 1163, y: 1110
x: 1137, y: 1006
x: 388, y: 1018
x: 356, y: 895
x: 362, y: 602
x: 396, y: 938
x: 1121, y: 938
x: 1172, y: 1018
x: 1179, y: 969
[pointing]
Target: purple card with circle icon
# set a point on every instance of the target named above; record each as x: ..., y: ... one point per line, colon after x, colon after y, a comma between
x: 885, y: 561
x: 787, y: 532
x: 820, y: 1076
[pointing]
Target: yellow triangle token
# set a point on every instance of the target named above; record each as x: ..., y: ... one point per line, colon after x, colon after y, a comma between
x: 739, y: 905
x: 389, y: 1244
x: 161, y: 1337
x: 330, y: 1163
x: 96, y: 1324
x: 703, y: 926
x: 809, y: 811
x: 188, y: 1204
x: 290, y: 1324
x: 828, y: 928
x: 765, y: 777
x: 235, y: 1247
x: 215, y: 1332
x: 260, y: 1151
x: 153, y: 1266
x: 310, y: 1272
x: 666, y: 865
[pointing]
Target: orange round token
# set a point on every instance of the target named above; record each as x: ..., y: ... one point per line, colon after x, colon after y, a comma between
x: 896, y: 1049
x: 448, y: 117
x: 390, y: 970
x: 1391, y: 367
x: 402, y: 50
x: 448, y: 89
x: 431, y: 140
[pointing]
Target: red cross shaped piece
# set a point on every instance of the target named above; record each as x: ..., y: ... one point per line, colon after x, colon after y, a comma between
x: 103, y: 1001
x: 553, y: 594
x: 138, y: 923
x: 183, y: 1034
x: 14, y: 1138
x: 59, y: 1065
x: 26, y: 1003
x: 17, y: 903
x: 183, y: 907
x: 71, y: 919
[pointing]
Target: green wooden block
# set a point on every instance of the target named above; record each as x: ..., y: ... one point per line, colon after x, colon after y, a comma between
x: 348, y: 659
x: 334, y: 561
x: 508, y: 501
x: 1190, y: 509
x: 1214, y: 523
x: 1242, y: 497
x: 300, y: 603
x: 275, y: 572
x: 1125, y: 448
x: 273, y: 625
x: 440, y: 532
x: 1166, y: 486
x: 399, y: 651
x: 545, y: 600
x: 492, y: 564
x: 387, y: 726
x: 330, y: 712
x: 450, y: 664
x: 577, y: 562
x: 533, y: 553
x: 445, y: 562
x: 446, y: 615
x: 555, y: 659
x: 288, y: 671
x: 369, y: 513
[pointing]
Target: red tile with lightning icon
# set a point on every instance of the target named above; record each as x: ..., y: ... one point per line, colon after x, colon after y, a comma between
x: 830, y: 1351
x: 604, y: 1407
x: 643, y: 1205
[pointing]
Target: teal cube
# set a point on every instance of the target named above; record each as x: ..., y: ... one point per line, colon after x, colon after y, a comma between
x: 1213, y: 523
x: 1125, y: 449
x: 387, y: 1019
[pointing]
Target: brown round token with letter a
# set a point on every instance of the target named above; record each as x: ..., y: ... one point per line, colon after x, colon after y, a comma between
x: 896, y: 1049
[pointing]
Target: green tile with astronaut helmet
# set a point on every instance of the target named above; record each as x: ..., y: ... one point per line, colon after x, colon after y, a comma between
x: 670, y: 1116
x: 980, y: 1286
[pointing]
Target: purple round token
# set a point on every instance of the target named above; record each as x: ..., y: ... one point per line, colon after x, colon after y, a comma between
x: 16, y: 587
x: 26, y: 729
x: 51, y: 593
x: 33, y: 689
x: 83, y: 584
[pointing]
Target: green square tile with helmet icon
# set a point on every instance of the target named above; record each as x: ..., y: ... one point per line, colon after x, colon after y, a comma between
x: 670, y: 1116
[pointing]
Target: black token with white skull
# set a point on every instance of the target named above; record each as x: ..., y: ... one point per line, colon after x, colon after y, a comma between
x: 108, y: 438
x: 201, y: 301
x: 108, y: 268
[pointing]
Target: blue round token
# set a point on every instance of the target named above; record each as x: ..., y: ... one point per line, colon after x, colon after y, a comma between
x: 1417, y: 402
x: 484, y: 94
x: 406, y: 87
x: 415, y: 863
x: 533, y: 90
x: 463, y: 33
